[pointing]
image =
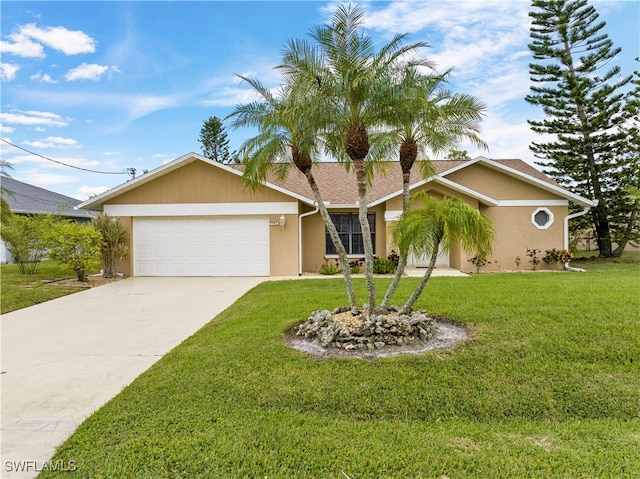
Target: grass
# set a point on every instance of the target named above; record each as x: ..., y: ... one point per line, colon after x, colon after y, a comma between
x: 19, y: 291
x: 549, y: 387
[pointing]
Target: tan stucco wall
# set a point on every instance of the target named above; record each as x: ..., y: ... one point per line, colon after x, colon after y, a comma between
x: 496, y: 184
x: 514, y: 233
x: 199, y: 182
x: 127, y: 265
x: 283, y: 247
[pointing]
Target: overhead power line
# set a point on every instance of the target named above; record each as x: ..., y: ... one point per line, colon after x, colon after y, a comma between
x: 126, y: 171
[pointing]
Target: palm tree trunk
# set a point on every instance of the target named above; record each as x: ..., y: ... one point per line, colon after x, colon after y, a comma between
x: 366, y: 231
x: 333, y: 233
x: 402, y: 261
x: 408, y: 306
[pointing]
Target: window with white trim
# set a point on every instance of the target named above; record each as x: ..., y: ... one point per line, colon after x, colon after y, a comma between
x: 350, y: 232
x: 542, y: 218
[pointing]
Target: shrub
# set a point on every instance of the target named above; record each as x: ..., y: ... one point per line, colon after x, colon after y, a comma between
x: 394, y: 257
x: 383, y: 266
x: 329, y: 269
x: 533, y: 254
x: 76, y: 246
x: 479, y: 260
x: 26, y: 239
x: 356, y: 266
x: 557, y: 256
x: 113, y: 248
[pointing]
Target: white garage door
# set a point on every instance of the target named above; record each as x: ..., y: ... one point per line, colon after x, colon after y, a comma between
x: 201, y: 246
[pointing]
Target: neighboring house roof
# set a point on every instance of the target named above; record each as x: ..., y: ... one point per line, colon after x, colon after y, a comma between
x: 28, y: 199
x: 340, y: 189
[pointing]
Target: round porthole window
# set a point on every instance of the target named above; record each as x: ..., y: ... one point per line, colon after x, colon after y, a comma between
x: 542, y: 218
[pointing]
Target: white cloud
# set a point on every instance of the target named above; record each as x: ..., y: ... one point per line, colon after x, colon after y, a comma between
x: 53, y: 142
x: 43, y: 77
x: 59, y: 38
x: 40, y: 163
x: 6, y: 129
x: 86, y: 192
x: 86, y: 71
x: 467, y: 35
x: 36, y: 177
x: 22, y: 46
x: 29, y: 39
x: 232, y: 96
x: 140, y: 106
x: 8, y: 71
x: 33, y: 118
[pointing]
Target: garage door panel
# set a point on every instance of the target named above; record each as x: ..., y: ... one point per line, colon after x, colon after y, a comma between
x: 201, y: 246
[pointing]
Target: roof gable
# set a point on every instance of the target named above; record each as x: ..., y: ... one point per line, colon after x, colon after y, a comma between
x: 111, y: 195
x: 524, y: 172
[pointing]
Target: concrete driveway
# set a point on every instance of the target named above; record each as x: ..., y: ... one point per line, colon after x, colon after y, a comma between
x: 63, y: 359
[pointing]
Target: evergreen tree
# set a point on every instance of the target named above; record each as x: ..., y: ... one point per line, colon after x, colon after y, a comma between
x: 215, y: 144
x: 585, y: 110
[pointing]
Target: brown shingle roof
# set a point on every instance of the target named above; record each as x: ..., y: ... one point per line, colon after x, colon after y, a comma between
x: 338, y: 186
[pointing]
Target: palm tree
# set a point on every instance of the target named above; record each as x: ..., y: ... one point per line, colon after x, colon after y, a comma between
x: 428, y: 118
x: 438, y: 225
x: 351, y: 81
x: 286, y: 138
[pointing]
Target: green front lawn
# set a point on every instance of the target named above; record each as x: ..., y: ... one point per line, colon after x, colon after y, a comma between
x: 549, y: 387
x: 21, y: 290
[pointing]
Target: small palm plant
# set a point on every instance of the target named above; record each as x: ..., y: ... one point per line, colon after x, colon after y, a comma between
x: 438, y: 225
x: 114, y: 243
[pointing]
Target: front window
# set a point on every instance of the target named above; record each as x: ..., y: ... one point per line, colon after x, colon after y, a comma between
x: 350, y: 233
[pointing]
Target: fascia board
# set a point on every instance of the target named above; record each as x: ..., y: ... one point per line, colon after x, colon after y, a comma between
x: 467, y: 191
x: 445, y: 182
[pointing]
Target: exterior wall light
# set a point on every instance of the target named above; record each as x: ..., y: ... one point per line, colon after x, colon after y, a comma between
x: 282, y: 222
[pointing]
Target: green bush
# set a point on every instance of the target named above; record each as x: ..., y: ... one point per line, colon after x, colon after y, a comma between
x: 557, y: 256
x: 383, y: 266
x: 76, y: 246
x: 26, y: 239
x: 329, y: 269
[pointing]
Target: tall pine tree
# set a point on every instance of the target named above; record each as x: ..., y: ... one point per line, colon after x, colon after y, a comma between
x: 215, y: 144
x: 584, y: 107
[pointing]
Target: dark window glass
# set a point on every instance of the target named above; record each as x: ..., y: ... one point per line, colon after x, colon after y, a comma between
x: 350, y: 233
x: 542, y: 218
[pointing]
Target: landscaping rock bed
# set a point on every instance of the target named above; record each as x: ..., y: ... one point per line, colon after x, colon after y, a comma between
x: 93, y: 281
x: 341, y: 333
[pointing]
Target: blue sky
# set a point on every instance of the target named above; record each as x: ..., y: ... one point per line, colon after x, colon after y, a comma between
x: 113, y: 85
